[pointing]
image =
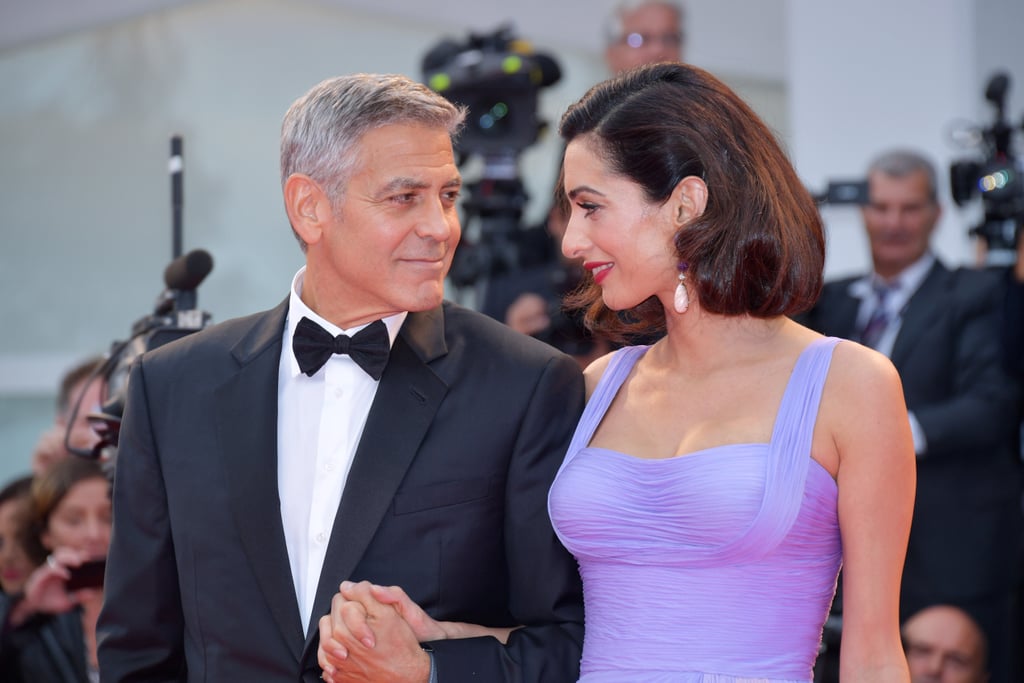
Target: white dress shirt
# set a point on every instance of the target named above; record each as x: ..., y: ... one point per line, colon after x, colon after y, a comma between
x: 320, y: 420
x: 906, y: 284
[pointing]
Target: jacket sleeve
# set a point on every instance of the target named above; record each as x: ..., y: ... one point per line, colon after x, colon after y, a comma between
x: 140, y: 631
x: 545, y: 592
x: 978, y: 413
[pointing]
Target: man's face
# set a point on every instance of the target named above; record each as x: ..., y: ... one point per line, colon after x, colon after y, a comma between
x: 650, y: 34
x: 899, y: 217
x: 388, y: 243
x: 943, y: 646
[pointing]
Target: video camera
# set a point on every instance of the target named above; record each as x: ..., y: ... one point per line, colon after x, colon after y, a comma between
x: 497, y: 77
x: 998, y: 178
x: 175, y: 315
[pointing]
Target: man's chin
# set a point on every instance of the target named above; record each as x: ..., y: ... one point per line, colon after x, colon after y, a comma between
x: 428, y: 298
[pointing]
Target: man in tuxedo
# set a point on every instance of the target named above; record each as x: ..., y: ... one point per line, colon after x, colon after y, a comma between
x: 362, y: 430
x: 941, y: 329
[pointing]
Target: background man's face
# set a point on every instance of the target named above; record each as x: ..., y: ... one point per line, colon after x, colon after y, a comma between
x: 654, y: 33
x: 944, y: 646
x: 899, y: 218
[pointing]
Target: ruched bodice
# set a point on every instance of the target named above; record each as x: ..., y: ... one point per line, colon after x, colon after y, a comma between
x: 715, y: 566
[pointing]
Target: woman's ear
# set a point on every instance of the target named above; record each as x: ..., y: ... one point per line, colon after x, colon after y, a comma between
x: 307, y: 207
x: 690, y: 198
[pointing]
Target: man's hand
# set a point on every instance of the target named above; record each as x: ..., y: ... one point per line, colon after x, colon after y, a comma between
x: 365, y: 639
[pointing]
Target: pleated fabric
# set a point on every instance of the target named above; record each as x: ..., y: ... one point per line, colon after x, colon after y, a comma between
x: 717, y: 566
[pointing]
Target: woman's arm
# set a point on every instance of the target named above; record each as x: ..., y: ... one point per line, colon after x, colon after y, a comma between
x: 876, y: 479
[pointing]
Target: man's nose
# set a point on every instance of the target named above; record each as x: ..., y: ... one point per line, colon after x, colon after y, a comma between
x: 437, y: 222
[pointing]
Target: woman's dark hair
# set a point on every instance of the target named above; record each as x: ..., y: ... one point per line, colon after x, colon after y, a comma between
x: 759, y: 246
x: 48, y: 490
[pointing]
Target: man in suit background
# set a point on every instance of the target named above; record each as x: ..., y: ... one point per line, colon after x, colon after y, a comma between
x: 361, y: 430
x: 941, y: 329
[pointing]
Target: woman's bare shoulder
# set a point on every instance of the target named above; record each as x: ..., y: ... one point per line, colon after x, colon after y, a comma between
x: 593, y: 372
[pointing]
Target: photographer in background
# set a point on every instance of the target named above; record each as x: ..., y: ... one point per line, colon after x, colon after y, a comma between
x: 941, y: 329
x: 529, y: 299
x: 80, y: 393
x: 642, y: 32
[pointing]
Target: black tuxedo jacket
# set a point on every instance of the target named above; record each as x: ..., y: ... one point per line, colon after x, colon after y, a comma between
x: 446, y: 497
x: 966, y: 530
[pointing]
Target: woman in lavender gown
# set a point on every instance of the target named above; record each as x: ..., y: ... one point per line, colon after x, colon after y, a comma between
x: 721, y: 475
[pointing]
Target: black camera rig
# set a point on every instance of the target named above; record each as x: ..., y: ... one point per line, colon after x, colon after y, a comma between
x: 175, y: 315
x: 998, y: 177
x: 497, y: 77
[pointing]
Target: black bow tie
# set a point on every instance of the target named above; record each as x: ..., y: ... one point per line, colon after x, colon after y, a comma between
x: 369, y: 347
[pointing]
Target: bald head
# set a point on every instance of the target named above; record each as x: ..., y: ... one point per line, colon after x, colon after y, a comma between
x: 945, y: 645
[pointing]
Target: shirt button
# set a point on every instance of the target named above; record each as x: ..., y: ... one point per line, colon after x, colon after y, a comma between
x: 338, y: 393
x: 329, y: 467
x: 321, y: 537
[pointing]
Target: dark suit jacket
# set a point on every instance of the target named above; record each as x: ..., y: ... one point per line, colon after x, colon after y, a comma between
x: 966, y: 530
x: 446, y: 497
x: 45, y: 649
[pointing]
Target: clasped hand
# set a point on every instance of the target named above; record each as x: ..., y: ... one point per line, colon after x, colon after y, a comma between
x: 373, y: 633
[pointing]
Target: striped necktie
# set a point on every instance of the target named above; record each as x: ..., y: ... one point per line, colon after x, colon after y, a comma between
x: 879, y: 320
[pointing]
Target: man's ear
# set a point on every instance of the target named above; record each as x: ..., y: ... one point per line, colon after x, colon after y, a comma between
x: 307, y: 206
x: 689, y: 199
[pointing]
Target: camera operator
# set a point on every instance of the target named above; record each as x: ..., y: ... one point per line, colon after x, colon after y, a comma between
x: 529, y: 299
x: 639, y: 32
x: 997, y: 176
x: 941, y: 329
x: 80, y: 393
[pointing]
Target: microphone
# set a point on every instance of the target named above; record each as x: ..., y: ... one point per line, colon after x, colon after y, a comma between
x: 175, y: 167
x: 187, y: 271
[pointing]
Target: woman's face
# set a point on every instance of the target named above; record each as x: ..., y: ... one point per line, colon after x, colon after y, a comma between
x: 82, y: 519
x: 624, y: 240
x: 15, y: 565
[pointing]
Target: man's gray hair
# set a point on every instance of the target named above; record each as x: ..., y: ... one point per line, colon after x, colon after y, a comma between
x: 900, y: 163
x: 321, y: 131
x: 613, y: 24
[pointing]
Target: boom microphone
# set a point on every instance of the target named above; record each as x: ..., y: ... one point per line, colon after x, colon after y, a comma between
x: 187, y: 271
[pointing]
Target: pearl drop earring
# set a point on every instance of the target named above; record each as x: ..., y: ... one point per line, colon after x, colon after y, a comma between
x: 682, y: 297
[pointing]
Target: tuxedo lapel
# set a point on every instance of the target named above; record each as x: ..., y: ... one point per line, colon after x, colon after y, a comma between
x: 924, y: 305
x: 247, y: 427
x: 407, y: 400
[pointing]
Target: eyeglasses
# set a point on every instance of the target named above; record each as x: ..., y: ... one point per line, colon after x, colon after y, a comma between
x: 639, y: 40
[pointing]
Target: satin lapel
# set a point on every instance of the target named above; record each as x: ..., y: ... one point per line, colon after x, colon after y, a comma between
x: 247, y: 423
x: 407, y: 400
x: 925, y: 304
